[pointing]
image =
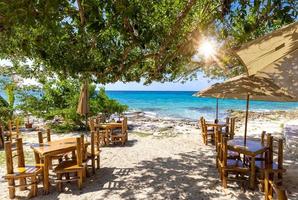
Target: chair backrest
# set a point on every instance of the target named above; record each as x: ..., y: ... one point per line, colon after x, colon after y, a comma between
x: 124, y: 125
x: 203, y: 125
x: 13, y: 150
x: 41, y: 137
x: 232, y: 125
x: 224, y: 150
x: 94, y: 142
x: 80, y: 147
x: 91, y: 124
x: 275, y: 146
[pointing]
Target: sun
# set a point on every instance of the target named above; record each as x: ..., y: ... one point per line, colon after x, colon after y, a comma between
x: 207, y: 48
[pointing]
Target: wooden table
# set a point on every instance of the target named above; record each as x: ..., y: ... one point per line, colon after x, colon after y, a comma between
x: 216, y: 125
x: 252, y: 149
x: 108, y: 127
x: 49, y: 149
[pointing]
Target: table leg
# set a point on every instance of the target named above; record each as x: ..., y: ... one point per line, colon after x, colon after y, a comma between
x: 46, y: 175
x: 252, y: 173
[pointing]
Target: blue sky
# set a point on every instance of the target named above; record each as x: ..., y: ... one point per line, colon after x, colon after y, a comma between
x: 194, y: 85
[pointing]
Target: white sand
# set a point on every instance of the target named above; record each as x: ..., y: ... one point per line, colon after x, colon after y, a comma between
x: 154, y: 165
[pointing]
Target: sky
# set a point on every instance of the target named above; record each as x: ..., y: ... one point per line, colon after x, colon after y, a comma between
x: 194, y: 85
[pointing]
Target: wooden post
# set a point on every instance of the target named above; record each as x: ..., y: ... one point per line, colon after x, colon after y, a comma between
x: 280, y: 158
x: 21, y: 160
x: 216, y: 109
x: 93, y: 151
x: 49, y: 135
x: 9, y: 168
x: 40, y: 137
x: 246, y: 118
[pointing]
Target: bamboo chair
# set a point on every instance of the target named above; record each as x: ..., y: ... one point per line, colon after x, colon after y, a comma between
x: 230, y: 166
x: 13, y: 130
x: 230, y: 129
x: 41, y: 138
x: 273, y: 167
x: 271, y: 186
x: 205, y: 132
x: 71, y: 166
x: 93, y: 153
x: 100, y: 134
x: 230, y: 155
x: 120, y: 135
x: 23, y: 173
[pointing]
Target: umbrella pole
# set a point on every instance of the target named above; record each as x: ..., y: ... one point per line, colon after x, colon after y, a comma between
x: 86, y: 118
x: 216, y: 109
x: 246, y: 118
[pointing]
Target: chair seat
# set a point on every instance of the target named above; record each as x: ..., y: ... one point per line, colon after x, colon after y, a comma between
x: 67, y: 166
x: 117, y: 131
x: 26, y: 171
x: 260, y: 165
x: 96, y: 152
x: 231, y: 163
x: 233, y: 155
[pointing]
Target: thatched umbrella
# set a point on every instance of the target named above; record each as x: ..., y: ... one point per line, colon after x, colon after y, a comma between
x: 83, y: 105
x: 247, y: 87
x: 274, y: 56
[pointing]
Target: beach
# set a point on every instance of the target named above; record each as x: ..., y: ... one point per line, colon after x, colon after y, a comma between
x: 166, y: 159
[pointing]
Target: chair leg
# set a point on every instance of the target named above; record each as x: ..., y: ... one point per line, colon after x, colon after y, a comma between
x: 11, y: 188
x: 224, y: 179
x: 34, y: 186
x: 80, y: 181
x: 59, y: 183
x: 98, y: 162
x: 266, y: 185
x: 22, y: 182
x: 93, y: 164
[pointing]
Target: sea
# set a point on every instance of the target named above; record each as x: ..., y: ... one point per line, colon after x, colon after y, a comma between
x: 183, y: 105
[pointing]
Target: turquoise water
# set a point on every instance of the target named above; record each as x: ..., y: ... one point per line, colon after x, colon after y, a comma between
x: 184, y: 105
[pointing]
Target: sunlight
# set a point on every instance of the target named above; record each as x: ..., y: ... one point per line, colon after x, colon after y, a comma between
x: 207, y: 48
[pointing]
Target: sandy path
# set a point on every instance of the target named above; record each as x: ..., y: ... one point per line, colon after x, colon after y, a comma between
x: 153, y: 168
x: 156, y: 167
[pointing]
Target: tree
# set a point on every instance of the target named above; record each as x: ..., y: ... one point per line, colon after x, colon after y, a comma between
x: 59, y: 98
x: 129, y: 39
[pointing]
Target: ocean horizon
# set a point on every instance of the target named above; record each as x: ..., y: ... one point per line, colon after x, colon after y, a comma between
x: 183, y: 105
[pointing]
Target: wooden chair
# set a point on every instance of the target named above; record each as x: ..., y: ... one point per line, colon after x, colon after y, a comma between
x: 272, y: 186
x: 269, y: 164
x: 99, y: 134
x: 23, y: 173
x: 205, y: 132
x: 229, y: 166
x: 120, y: 135
x: 230, y: 129
x: 71, y: 166
x: 13, y: 130
x: 41, y: 138
x: 93, y: 153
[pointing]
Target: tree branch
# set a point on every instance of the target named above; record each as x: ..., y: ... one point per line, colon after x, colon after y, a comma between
x: 81, y: 12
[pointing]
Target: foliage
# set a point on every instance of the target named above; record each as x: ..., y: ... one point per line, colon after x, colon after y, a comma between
x: 59, y: 98
x: 7, y: 107
x: 129, y: 39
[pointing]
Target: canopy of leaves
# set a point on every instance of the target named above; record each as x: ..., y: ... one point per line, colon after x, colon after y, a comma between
x: 128, y: 39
